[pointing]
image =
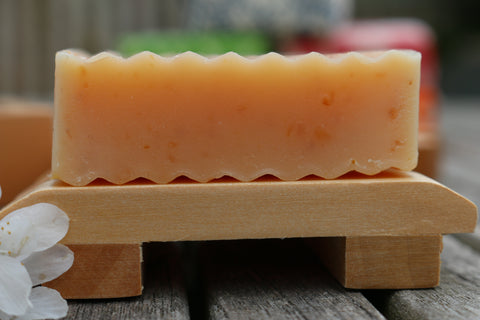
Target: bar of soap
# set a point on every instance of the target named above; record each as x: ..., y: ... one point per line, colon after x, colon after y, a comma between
x: 25, y: 144
x: 206, y: 117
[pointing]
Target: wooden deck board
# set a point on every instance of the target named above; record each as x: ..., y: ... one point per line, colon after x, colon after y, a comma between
x: 164, y: 295
x: 460, y: 156
x: 274, y: 279
x: 457, y: 296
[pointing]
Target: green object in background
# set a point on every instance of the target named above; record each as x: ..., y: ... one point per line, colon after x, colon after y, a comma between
x: 206, y: 43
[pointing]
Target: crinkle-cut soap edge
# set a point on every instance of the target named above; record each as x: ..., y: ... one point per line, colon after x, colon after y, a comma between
x: 364, y: 57
x: 165, y: 179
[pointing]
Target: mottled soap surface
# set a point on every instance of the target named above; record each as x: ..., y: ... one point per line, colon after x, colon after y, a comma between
x: 205, y: 117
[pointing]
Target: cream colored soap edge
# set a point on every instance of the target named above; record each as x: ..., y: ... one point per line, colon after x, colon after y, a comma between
x: 82, y: 57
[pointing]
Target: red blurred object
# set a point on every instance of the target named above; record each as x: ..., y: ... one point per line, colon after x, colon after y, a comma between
x: 382, y: 35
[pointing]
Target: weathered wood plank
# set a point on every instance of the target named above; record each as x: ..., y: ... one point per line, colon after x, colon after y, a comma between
x: 78, y: 21
x: 103, y: 24
x: 461, y: 148
x: 124, y: 18
x: 149, y: 14
x: 29, y: 45
x: 461, y: 155
x: 274, y: 279
x: 457, y: 296
x: 471, y: 239
x: 164, y: 294
x: 57, y: 37
x: 9, y: 43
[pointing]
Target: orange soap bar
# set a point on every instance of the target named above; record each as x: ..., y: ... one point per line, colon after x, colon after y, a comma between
x: 25, y: 144
x: 160, y: 118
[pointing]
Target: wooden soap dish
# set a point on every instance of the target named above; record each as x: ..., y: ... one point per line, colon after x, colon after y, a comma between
x: 383, y: 231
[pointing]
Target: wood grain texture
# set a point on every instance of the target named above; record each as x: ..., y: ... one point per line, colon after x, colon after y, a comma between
x: 32, y: 31
x: 461, y: 155
x: 461, y: 148
x: 457, y: 296
x: 102, y: 271
x: 382, y: 262
x: 274, y: 279
x: 392, y: 262
x: 164, y: 295
x: 9, y: 44
x: 392, y: 203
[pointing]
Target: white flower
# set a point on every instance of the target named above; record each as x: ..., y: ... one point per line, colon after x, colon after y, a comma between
x: 30, y: 256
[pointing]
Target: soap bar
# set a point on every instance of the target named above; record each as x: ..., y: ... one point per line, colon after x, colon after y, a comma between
x: 381, y: 34
x: 206, y: 117
x: 25, y: 144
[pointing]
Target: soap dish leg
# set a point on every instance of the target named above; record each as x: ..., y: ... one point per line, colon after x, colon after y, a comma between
x: 102, y: 271
x: 382, y: 262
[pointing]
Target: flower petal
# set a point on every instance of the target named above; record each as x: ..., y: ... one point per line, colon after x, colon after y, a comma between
x: 14, y: 235
x: 15, y: 286
x: 32, y: 229
x: 46, y: 304
x: 5, y: 316
x: 49, y: 264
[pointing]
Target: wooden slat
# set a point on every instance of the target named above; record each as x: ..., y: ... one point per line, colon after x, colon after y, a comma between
x: 149, y: 14
x: 471, y: 239
x: 164, y: 295
x: 102, y: 28
x: 32, y: 31
x: 172, y: 14
x: 461, y: 148
x: 457, y: 296
x: 57, y: 37
x: 274, y: 279
x: 125, y: 17
x: 31, y: 41
x: 392, y: 203
x: 461, y: 155
x: 9, y: 60
x: 78, y: 20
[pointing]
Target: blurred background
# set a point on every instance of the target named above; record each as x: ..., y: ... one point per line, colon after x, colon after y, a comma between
x: 31, y: 31
x: 446, y: 32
